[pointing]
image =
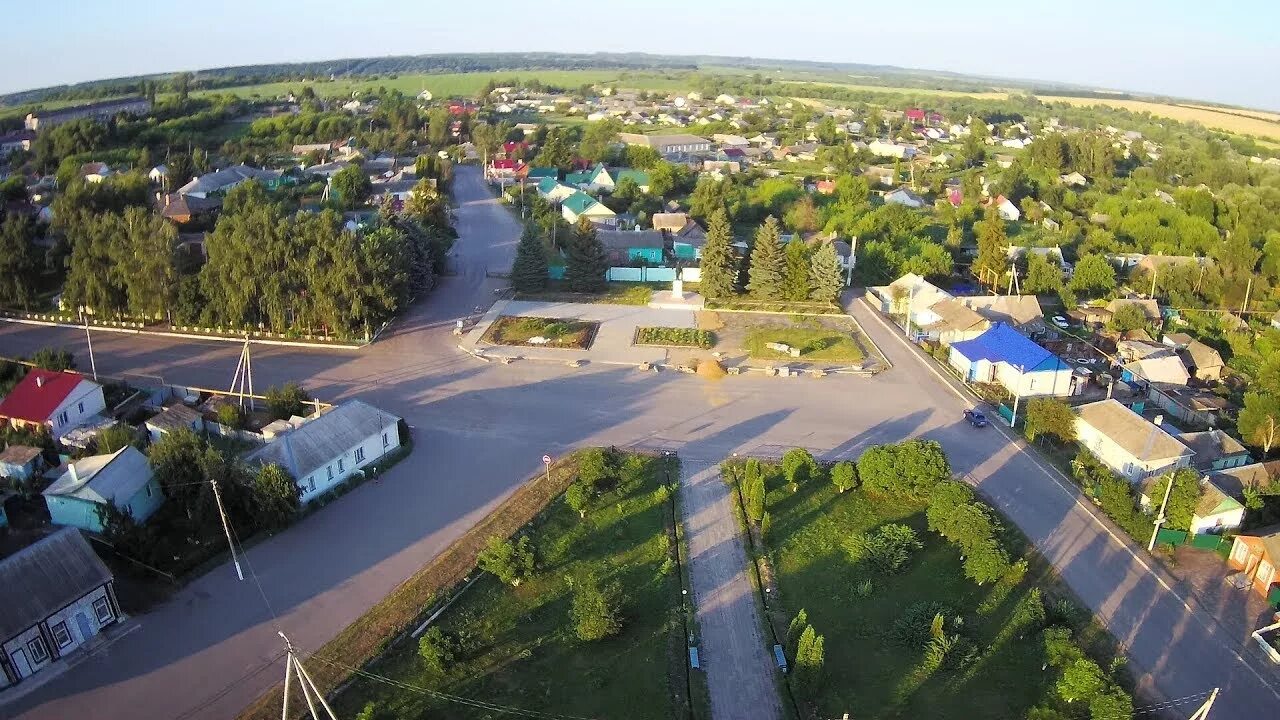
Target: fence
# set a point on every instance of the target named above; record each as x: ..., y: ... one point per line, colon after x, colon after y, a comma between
x: 638, y: 274
x: 1202, y: 541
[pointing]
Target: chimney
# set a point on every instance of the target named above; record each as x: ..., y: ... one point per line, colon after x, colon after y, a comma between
x: 39, y: 381
x: 71, y: 468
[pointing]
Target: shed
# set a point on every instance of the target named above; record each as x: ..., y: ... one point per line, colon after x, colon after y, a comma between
x: 122, y: 478
x: 20, y: 462
x: 174, y: 417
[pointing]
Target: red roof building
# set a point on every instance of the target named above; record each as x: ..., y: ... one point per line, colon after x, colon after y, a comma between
x: 826, y: 187
x: 58, y: 400
x: 915, y: 115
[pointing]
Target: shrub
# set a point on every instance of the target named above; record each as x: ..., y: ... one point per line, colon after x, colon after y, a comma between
x: 511, y: 561
x: 680, y: 337
x: 810, y: 657
x: 889, y: 547
x: 910, y: 468
x: 578, y: 496
x: 986, y: 562
x: 753, y: 497
x: 844, y: 476
x: 287, y: 400
x: 598, y: 468
x: 595, y: 611
x: 797, y: 626
x: 436, y: 649
x: 798, y: 466
x: 231, y: 416
x: 913, y: 627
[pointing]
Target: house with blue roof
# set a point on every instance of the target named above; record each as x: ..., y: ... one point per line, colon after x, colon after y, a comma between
x: 1005, y: 356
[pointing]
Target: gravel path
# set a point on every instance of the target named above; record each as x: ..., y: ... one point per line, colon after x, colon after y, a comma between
x: 734, y: 655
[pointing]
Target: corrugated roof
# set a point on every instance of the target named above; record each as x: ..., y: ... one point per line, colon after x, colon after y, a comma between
x: 626, y: 239
x: 112, y: 478
x: 1141, y: 439
x: 953, y: 315
x: 318, y: 442
x: 45, y: 578
x: 19, y: 454
x: 1016, y: 310
x: 1214, y: 500
x: 1255, y: 475
x: 1211, y: 445
x: 174, y: 417
x: 579, y: 202
x: 38, y: 394
x: 1002, y: 343
x: 1160, y: 369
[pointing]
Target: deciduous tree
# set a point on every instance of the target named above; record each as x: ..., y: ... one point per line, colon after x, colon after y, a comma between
x: 596, y: 609
x: 511, y: 562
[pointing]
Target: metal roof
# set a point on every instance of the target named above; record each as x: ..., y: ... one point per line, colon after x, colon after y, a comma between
x: 1001, y: 343
x: 318, y: 442
x: 1141, y: 439
x: 38, y: 394
x: 46, y: 577
x: 112, y: 478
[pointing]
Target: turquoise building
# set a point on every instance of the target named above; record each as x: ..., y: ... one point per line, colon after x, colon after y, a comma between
x: 122, y: 478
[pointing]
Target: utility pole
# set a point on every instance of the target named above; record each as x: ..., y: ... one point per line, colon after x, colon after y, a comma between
x: 88, y: 339
x: 1160, y: 518
x: 310, y: 693
x: 1247, y: 289
x: 1013, y: 420
x: 911, y: 297
x: 226, y: 528
x: 1203, y: 712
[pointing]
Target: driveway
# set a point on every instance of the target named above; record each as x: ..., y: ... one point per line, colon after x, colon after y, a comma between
x: 480, y: 429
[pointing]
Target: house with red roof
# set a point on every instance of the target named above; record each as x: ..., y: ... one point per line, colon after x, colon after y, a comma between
x: 914, y: 115
x: 60, y: 401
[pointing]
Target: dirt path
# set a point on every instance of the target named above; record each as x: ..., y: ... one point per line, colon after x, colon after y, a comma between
x: 740, y: 671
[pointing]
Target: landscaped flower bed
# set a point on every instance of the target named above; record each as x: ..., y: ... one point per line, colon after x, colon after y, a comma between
x: 675, y: 337
x: 542, y: 332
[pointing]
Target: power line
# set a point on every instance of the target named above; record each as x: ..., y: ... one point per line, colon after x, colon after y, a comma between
x: 481, y: 704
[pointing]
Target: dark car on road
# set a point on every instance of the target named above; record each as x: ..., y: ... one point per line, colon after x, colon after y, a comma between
x: 975, y: 418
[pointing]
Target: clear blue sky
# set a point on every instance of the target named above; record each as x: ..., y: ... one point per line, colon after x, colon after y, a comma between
x: 1226, y: 51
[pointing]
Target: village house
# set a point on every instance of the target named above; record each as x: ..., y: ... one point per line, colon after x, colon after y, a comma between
x: 1256, y: 554
x: 1020, y: 312
x: 580, y: 205
x: 329, y: 449
x: 885, y: 148
x: 1215, y: 450
x: 1194, y: 406
x: 1216, y: 511
x: 668, y: 144
x: 220, y: 181
x: 1005, y: 356
x: 1204, y: 362
x: 20, y: 462
x: 955, y: 323
x: 911, y: 296
x: 1127, y: 443
x: 122, y: 479
x: 99, y: 111
x: 632, y: 247
x: 59, y: 401
x: 903, y: 196
x: 57, y: 596
x: 174, y: 418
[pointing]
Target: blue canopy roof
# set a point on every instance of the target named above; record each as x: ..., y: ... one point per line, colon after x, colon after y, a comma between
x: 1001, y: 343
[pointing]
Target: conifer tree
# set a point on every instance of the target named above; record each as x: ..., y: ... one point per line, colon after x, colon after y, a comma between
x: 825, y: 277
x: 529, y: 272
x: 719, y: 264
x: 796, y: 280
x: 585, y: 262
x: 768, y: 265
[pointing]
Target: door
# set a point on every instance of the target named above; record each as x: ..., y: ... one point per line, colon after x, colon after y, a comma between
x: 86, y: 630
x: 20, y: 663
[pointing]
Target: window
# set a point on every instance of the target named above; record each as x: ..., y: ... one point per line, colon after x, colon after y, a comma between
x: 102, y: 609
x: 62, y: 418
x: 340, y: 468
x: 330, y: 469
x: 1238, y: 553
x: 311, y: 484
x: 81, y: 408
x: 148, y: 489
x: 39, y: 652
x: 60, y: 634
x: 385, y: 441
x: 360, y: 454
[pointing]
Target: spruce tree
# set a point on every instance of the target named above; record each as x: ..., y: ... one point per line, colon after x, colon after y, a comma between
x: 796, y: 280
x: 719, y: 264
x: 529, y: 272
x: 768, y: 265
x: 586, y: 263
x: 825, y: 277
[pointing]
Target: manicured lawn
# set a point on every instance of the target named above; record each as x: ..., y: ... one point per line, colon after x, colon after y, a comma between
x: 520, y: 647
x: 615, y: 293
x: 865, y: 667
x: 675, y: 337
x: 558, y: 333
x: 814, y: 344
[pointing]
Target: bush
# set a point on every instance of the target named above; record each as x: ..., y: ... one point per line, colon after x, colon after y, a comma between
x: 230, y: 416
x: 598, y: 468
x: 436, y: 649
x: 889, y: 547
x: 679, y: 337
x: 595, y: 610
x: 1051, y: 417
x: 913, y: 628
x: 844, y: 476
x: 909, y: 469
x: 287, y: 400
x: 798, y: 466
x: 511, y: 561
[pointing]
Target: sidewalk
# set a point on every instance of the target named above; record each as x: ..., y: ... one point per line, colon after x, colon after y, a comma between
x: 98, y: 643
x: 741, y: 677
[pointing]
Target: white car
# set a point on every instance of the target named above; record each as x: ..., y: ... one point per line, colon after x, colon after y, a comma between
x: 1060, y: 321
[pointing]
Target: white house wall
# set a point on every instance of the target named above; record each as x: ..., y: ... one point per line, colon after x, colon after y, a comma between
x: 83, y: 402
x: 68, y: 615
x: 1119, y: 460
x: 1230, y: 520
x: 318, y: 482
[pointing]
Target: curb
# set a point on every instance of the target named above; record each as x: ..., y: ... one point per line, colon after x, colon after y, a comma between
x: 192, y: 336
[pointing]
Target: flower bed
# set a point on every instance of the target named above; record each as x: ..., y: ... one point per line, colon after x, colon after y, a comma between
x: 675, y: 337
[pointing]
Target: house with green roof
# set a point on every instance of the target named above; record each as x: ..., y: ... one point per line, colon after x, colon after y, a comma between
x: 579, y: 180
x: 604, y: 180
x: 580, y: 205
x: 537, y: 174
x: 553, y: 190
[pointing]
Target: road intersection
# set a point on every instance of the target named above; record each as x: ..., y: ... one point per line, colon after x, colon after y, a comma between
x: 480, y: 429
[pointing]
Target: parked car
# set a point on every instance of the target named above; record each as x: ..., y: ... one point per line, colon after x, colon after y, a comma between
x: 1060, y: 321
x: 975, y: 418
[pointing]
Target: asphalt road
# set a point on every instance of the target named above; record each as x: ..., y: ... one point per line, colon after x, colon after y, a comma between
x: 480, y: 429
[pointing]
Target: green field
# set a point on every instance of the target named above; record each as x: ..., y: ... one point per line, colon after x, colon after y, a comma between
x: 518, y: 645
x: 866, y: 668
x: 468, y: 84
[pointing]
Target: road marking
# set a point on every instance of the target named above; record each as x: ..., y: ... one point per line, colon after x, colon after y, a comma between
x: 1066, y: 486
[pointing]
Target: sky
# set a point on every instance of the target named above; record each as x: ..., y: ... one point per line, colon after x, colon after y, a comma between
x: 1224, y: 51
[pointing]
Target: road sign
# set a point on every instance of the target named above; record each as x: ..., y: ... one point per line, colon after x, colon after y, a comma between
x: 546, y: 459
